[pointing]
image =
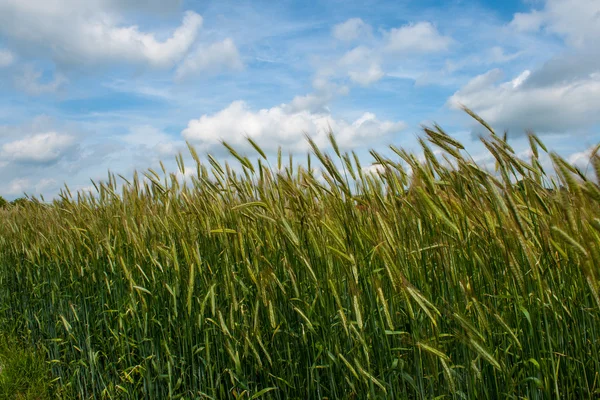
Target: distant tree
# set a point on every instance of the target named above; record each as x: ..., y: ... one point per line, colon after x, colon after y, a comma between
x: 3, y: 202
x: 27, y: 202
x: 21, y: 201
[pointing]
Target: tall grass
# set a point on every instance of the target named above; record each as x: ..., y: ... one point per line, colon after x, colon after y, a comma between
x: 24, y: 374
x: 449, y: 281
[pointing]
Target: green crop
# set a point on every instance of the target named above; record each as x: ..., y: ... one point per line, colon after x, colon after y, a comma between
x: 428, y: 279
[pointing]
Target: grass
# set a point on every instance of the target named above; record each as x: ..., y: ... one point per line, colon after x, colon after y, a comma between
x: 24, y: 373
x: 445, y: 282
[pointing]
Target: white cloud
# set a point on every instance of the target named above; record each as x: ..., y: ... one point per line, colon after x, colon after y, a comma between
x: 527, y: 22
x: 311, y: 102
x: 568, y: 67
x: 29, y: 82
x: 213, y: 58
x: 479, y: 83
x: 159, y: 6
x: 187, y: 174
x: 143, y: 88
x: 149, y: 137
x: 561, y: 95
x: 490, y: 56
x: 17, y: 186
x: 145, y: 135
x: 555, y: 107
x: 365, y: 65
x: 374, y: 169
x: 41, y: 148
x: 45, y: 184
x: 92, y: 32
x: 6, y: 58
x: 351, y: 30
x: 422, y: 37
x: 362, y: 65
x: 277, y: 126
x: 582, y: 159
x: 576, y: 20
x: 128, y: 43
x: 316, y: 102
x: 518, y: 81
x: 366, y: 77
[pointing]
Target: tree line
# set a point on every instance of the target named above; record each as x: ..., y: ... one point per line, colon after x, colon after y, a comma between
x: 18, y: 201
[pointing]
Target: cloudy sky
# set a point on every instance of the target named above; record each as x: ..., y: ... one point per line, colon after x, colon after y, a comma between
x: 98, y: 85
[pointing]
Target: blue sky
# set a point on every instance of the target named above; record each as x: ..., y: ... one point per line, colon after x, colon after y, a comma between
x: 108, y: 84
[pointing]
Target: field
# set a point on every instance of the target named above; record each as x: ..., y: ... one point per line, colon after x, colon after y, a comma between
x: 433, y: 278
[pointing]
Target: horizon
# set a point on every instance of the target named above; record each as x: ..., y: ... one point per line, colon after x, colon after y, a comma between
x: 107, y: 85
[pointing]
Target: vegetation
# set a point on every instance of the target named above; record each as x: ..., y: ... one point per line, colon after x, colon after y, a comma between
x: 445, y: 282
x: 20, y: 201
x: 24, y: 373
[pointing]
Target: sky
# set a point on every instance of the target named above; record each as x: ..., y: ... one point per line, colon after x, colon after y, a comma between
x: 98, y: 85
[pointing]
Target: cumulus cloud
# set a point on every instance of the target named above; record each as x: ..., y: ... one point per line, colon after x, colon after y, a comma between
x: 527, y: 22
x: 312, y: 102
x: 561, y: 95
x: 128, y: 43
x: 216, y: 57
x: 374, y: 169
x: 59, y: 6
x: 514, y: 104
x: 422, y: 37
x: 29, y: 82
x: 156, y: 6
x: 581, y: 159
x: 367, y: 63
x: 18, y: 186
x: 277, y: 126
x: 567, y: 67
x: 6, y: 58
x: 37, y: 156
x: 92, y: 32
x: 351, y: 30
x: 368, y: 76
x: 362, y: 65
x: 317, y: 101
x: 40, y: 148
x: 21, y: 186
x: 576, y: 20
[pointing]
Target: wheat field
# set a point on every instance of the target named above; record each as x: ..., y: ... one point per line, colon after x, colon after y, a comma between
x: 432, y: 278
